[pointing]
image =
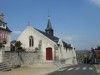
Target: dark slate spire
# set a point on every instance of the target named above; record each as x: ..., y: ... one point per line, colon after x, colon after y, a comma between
x: 49, y: 24
x: 49, y: 29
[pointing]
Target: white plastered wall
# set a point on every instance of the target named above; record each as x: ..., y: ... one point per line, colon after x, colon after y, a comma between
x: 46, y: 42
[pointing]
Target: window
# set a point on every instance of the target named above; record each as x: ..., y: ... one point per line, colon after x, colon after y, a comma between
x: 0, y: 24
x: 3, y: 25
x: 31, y: 41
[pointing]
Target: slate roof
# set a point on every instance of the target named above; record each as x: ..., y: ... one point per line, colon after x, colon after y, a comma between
x: 8, y: 29
x: 5, y: 29
x: 54, y: 38
x: 67, y: 45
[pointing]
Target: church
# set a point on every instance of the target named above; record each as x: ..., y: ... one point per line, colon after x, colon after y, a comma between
x: 49, y: 47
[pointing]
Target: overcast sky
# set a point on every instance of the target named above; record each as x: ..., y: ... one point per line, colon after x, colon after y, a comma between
x: 75, y: 21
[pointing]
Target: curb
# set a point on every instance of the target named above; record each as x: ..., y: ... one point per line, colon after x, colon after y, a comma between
x: 51, y: 72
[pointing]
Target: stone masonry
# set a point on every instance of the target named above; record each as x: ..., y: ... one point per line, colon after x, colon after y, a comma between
x: 22, y: 58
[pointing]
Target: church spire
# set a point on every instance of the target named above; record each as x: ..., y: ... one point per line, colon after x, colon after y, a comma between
x: 49, y: 26
x: 49, y: 29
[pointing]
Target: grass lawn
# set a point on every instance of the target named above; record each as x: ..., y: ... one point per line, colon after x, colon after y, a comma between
x: 97, y: 66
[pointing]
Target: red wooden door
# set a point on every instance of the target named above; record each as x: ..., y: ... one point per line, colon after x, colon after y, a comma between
x: 48, y: 53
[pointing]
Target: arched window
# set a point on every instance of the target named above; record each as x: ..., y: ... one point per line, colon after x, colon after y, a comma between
x: 31, y: 41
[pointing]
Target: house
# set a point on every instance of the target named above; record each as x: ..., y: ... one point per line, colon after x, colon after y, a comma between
x: 50, y: 47
x: 4, y: 37
x: 94, y: 55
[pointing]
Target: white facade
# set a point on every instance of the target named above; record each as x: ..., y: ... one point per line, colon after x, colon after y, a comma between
x: 7, y: 45
x: 46, y: 42
x: 45, y: 45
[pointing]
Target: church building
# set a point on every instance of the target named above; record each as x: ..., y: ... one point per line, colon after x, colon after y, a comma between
x: 49, y: 47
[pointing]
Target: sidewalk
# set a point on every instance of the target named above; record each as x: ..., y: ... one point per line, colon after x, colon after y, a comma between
x: 29, y: 71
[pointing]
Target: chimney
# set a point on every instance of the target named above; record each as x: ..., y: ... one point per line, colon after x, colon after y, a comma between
x: 1, y: 17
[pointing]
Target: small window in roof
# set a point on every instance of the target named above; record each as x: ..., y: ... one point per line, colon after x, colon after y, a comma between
x: 4, y: 26
x: 0, y: 24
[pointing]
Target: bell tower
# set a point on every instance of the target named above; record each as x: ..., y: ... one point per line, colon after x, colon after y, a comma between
x: 49, y: 29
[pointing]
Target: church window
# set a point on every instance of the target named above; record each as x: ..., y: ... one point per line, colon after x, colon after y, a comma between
x: 31, y: 41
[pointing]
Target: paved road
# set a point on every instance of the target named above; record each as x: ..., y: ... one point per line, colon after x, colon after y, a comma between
x: 81, y: 69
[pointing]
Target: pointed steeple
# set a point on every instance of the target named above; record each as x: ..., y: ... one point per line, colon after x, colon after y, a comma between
x: 49, y: 29
x: 49, y: 24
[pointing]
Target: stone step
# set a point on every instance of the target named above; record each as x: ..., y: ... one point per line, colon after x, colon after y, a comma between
x: 4, y: 67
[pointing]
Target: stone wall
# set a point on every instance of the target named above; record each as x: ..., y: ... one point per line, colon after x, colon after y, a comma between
x: 21, y: 58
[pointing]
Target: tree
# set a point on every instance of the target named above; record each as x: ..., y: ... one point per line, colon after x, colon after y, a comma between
x: 18, y: 44
x: 12, y: 45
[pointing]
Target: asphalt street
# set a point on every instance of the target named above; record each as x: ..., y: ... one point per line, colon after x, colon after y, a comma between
x: 80, y: 69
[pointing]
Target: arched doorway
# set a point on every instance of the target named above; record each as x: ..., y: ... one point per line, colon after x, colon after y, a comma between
x: 49, y: 53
